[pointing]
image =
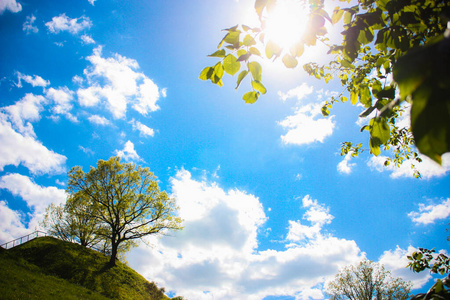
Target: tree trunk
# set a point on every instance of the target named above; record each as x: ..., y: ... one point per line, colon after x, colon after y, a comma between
x: 112, y: 260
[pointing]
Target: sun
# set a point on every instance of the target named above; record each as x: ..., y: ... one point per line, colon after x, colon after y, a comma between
x: 286, y: 23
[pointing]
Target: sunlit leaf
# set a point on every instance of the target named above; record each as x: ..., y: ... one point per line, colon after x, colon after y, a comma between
x: 289, y: 61
x: 206, y: 73
x: 250, y: 97
x: 231, y: 65
x: 248, y: 40
x: 218, y: 53
x: 254, y: 51
x: 272, y: 49
x: 297, y: 49
x: 240, y: 77
x: 259, y: 87
x: 337, y: 15
x: 255, y: 68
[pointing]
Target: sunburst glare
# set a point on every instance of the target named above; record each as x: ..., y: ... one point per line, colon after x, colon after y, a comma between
x: 286, y: 23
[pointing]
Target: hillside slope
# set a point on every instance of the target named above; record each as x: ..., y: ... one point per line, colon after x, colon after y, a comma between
x: 53, y: 269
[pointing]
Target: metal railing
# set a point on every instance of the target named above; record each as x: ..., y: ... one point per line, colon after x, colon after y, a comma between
x: 23, y: 239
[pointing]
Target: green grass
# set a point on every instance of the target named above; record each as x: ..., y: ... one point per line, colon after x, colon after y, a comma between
x: 47, y: 268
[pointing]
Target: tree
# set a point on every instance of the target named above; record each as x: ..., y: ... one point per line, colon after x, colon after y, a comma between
x: 65, y: 223
x: 381, y: 38
x: 125, y: 200
x: 367, y: 281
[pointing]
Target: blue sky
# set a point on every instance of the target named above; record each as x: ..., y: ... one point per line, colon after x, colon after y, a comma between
x: 271, y: 209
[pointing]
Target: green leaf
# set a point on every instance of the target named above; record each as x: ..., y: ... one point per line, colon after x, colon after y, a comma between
x: 250, y: 97
x: 218, y: 53
x: 232, y: 37
x: 254, y: 51
x: 248, y: 40
x: 206, y: 73
x: 231, y: 65
x: 240, y: 77
x: 259, y: 86
x: 353, y: 97
x: 241, y: 52
x: 244, y: 57
x: 364, y: 96
x: 272, y: 49
x: 255, y: 68
x: 297, y: 49
x: 259, y: 6
x: 337, y: 15
x: 379, y: 134
x: 289, y: 61
x: 325, y: 111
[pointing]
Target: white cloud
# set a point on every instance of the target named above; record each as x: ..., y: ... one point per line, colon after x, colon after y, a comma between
x: 92, y: 2
x: 345, y: 167
x: 317, y: 215
x: 28, y: 25
x: 216, y: 255
x: 87, y: 151
x: 99, y: 120
x: 116, y: 83
x: 87, y: 39
x: 23, y: 112
x: 428, y: 214
x: 11, y: 5
x: 427, y: 168
x: 144, y: 130
x: 128, y: 153
x: 396, y: 262
x: 64, y: 23
x: 33, y: 80
x: 299, y: 92
x: 26, y: 150
x: 305, y: 127
x: 11, y: 225
x: 62, y: 99
x: 37, y: 198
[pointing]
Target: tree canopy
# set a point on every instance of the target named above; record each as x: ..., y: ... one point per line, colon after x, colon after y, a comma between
x: 124, y: 201
x: 382, y: 40
x: 366, y: 281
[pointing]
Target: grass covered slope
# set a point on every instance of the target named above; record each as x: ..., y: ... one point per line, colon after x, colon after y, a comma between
x: 42, y: 267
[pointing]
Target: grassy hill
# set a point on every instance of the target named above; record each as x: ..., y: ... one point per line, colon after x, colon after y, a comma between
x: 48, y: 268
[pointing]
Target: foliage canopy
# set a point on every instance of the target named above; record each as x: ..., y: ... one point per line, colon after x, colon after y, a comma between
x: 381, y: 40
x: 124, y: 202
x: 367, y: 281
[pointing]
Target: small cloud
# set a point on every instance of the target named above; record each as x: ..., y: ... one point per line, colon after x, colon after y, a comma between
x: 306, y: 127
x: 128, y: 153
x: 299, y: 92
x: 144, y: 130
x: 345, y: 167
x: 96, y: 119
x: 64, y: 23
x: 62, y: 99
x: 34, y: 80
x: 428, y: 214
x: 115, y: 83
x: 87, y: 39
x: 87, y: 151
x: 92, y: 2
x: 10, y: 5
x: 61, y: 183
x: 28, y: 25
